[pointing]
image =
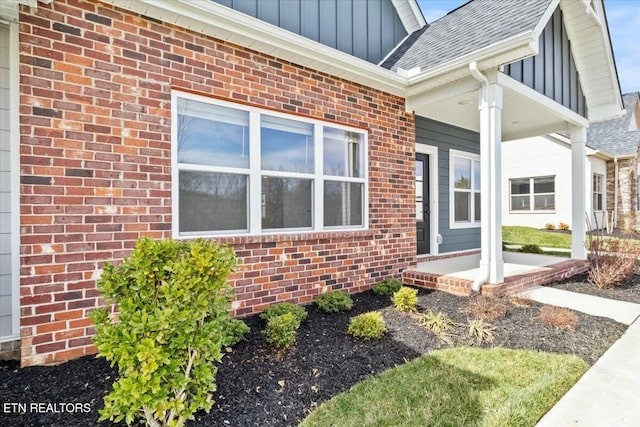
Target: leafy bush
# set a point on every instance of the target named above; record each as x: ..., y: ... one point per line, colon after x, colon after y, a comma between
x: 281, y: 330
x: 405, y: 299
x: 549, y: 226
x: 387, y: 287
x: 438, y: 323
x: 367, y: 326
x: 487, y: 308
x: 334, y: 301
x: 563, y: 226
x: 531, y: 249
x: 611, y: 261
x: 558, y: 317
x: 234, y: 331
x: 300, y: 313
x: 481, y: 331
x: 174, y: 302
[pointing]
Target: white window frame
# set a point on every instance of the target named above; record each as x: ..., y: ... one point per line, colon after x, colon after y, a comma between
x: 255, y: 173
x: 473, y: 223
x: 532, y: 194
x: 600, y: 191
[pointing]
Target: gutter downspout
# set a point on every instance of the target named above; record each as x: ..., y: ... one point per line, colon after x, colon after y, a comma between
x: 485, y: 185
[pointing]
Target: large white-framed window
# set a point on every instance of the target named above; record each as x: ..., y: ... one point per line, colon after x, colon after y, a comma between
x: 243, y: 170
x: 464, y: 189
x: 533, y: 194
x: 597, y: 188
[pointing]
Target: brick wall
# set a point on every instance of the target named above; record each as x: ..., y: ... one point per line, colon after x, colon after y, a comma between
x: 95, y: 165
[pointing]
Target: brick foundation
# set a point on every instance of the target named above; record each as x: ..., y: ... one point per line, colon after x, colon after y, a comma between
x: 95, y: 126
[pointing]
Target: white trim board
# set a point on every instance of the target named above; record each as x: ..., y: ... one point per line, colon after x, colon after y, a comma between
x: 434, y: 230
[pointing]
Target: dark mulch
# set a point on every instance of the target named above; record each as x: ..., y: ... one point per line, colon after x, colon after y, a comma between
x: 258, y: 387
x: 629, y: 290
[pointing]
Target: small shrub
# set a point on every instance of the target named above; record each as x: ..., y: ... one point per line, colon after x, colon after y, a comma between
x: 487, y: 308
x: 406, y: 299
x: 531, y: 249
x: 563, y: 226
x: 298, y: 312
x: 334, y: 301
x: 281, y: 330
x: 558, y: 317
x: 438, y: 323
x: 173, y: 300
x: 481, y: 331
x: 611, y: 261
x: 234, y: 331
x: 549, y: 226
x: 387, y: 287
x: 521, y: 302
x: 367, y: 326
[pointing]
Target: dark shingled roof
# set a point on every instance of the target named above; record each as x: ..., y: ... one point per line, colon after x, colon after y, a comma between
x: 474, y: 25
x: 613, y: 137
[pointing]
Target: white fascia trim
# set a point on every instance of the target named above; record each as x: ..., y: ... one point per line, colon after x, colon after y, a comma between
x: 546, y: 103
x: 208, y: 17
x: 434, y: 205
x: 503, y: 52
x: 546, y: 16
x: 410, y: 14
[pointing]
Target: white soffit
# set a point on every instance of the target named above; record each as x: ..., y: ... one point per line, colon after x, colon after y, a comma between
x: 410, y: 14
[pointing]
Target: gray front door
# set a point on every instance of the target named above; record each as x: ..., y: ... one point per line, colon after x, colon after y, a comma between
x: 422, y: 203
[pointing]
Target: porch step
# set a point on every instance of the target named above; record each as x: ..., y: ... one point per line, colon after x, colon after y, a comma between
x: 511, y: 285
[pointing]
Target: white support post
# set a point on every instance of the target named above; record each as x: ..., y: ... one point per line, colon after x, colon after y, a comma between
x: 485, y: 181
x: 578, y: 198
x: 496, y: 263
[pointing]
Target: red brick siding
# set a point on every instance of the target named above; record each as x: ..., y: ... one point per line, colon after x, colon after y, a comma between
x: 95, y: 165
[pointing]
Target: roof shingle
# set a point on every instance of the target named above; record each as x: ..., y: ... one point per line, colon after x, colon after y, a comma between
x: 613, y: 137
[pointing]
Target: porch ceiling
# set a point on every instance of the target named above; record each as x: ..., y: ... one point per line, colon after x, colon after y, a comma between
x: 525, y: 113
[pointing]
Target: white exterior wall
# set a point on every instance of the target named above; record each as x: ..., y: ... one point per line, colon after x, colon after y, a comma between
x: 545, y: 156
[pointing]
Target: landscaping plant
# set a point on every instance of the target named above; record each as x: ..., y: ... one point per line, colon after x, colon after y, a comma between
x: 481, y: 331
x: 563, y: 226
x: 558, y: 317
x: 611, y: 261
x: 300, y: 313
x: 531, y: 249
x: 487, y: 308
x: 387, y: 287
x: 234, y: 332
x: 367, y: 326
x: 406, y: 299
x: 438, y: 323
x: 282, y: 329
x: 173, y: 307
x: 334, y: 301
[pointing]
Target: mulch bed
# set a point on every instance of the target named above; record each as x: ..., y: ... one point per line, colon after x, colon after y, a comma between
x: 629, y: 290
x: 260, y: 387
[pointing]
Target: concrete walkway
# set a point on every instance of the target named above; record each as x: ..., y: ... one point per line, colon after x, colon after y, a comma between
x: 608, y: 394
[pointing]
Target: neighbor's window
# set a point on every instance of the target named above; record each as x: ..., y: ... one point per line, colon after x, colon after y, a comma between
x: 532, y: 194
x: 245, y: 170
x: 465, y: 189
x: 597, y: 192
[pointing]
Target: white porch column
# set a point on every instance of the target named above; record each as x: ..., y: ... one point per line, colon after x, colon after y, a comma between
x: 578, y: 198
x: 496, y: 263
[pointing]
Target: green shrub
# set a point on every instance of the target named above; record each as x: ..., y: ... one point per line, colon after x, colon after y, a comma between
x: 387, y: 287
x: 367, y: 326
x: 173, y: 301
x: 405, y: 299
x: 334, y: 301
x: 281, y: 330
x: 282, y: 308
x: 531, y: 249
x: 234, y: 331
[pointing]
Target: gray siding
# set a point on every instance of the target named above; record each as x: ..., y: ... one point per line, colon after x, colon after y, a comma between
x: 447, y: 137
x: 366, y: 29
x: 552, y: 72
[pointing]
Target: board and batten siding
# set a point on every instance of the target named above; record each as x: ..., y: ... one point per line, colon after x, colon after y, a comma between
x: 447, y: 137
x: 368, y: 30
x: 6, y: 301
x: 552, y: 72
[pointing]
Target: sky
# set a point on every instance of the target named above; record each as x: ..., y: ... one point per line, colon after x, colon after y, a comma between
x: 624, y: 27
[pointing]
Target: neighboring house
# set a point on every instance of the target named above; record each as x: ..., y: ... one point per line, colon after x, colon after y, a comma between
x: 329, y: 142
x: 536, y: 179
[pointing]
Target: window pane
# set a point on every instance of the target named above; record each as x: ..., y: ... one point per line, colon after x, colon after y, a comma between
x: 461, y: 173
x: 212, y: 135
x: 342, y: 203
x: 476, y: 206
x: 543, y: 185
x: 597, y: 201
x: 286, y: 145
x: 520, y: 186
x: 520, y: 203
x: 212, y: 201
x: 286, y: 202
x: 419, y: 170
x: 342, y: 152
x: 476, y: 175
x: 462, y: 206
x: 544, y: 202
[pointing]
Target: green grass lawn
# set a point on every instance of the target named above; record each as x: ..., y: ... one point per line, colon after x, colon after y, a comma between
x: 456, y: 387
x: 532, y: 236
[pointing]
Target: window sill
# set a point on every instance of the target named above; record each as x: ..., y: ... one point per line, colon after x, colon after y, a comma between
x: 532, y: 212
x: 288, y: 237
x: 456, y: 226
